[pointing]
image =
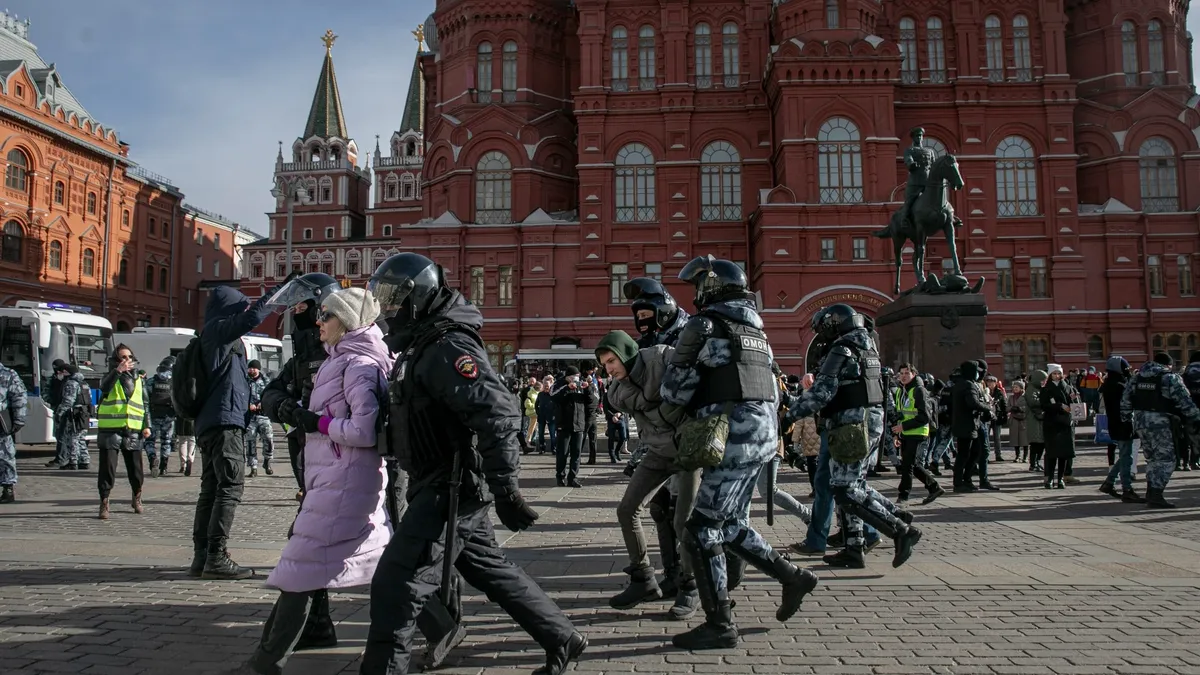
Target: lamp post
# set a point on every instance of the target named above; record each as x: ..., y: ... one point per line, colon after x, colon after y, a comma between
x: 295, y: 192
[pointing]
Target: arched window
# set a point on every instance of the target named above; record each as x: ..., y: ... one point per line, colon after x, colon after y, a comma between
x: 493, y: 189
x: 56, y: 255
x: 508, y: 72
x: 703, y: 40
x: 620, y: 59
x: 908, y: 51
x: 647, y: 71
x: 1158, y: 67
x: 89, y: 262
x: 832, y: 20
x: 1022, y: 52
x: 387, y: 231
x: 1156, y: 166
x: 391, y: 188
x: 1016, y: 178
x: 483, y: 73
x: 635, y: 184
x: 1187, y: 280
x: 839, y: 162
x: 335, y: 153
x: 123, y: 272
x: 993, y: 36
x: 91, y: 203
x: 1154, y: 275
x: 326, y: 193
x: 327, y: 264
x: 937, y: 147
x: 149, y: 278
x: 166, y: 229
x: 14, y: 241
x: 720, y: 182
x: 18, y: 166
x: 731, y: 56
x: 935, y: 45
x: 60, y: 192
x: 314, y: 153
x: 1095, y: 348
x: 1129, y: 53
x: 162, y: 278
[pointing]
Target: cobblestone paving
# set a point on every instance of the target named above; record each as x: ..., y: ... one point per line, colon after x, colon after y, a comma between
x: 1024, y: 581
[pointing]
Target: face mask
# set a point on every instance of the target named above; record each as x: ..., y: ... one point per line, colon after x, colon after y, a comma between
x: 573, y: 379
x: 644, y: 326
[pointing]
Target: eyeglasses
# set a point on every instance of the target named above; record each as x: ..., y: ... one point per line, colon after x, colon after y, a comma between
x: 325, y: 316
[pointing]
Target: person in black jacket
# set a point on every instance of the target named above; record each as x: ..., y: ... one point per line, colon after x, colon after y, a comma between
x: 911, y: 432
x: 968, y: 409
x: 592, y: 410
x: 574, y: 397
x: 1120, y: 431
x: 547, y: 413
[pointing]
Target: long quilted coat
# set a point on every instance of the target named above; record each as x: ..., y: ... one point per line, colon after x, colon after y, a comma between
x: 342, y: 527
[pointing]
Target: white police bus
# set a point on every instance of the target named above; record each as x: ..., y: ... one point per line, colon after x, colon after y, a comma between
x: 152, y: 345
x: 33, y: 335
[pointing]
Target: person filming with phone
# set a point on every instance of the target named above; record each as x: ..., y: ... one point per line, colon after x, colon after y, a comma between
x: 122, y: 418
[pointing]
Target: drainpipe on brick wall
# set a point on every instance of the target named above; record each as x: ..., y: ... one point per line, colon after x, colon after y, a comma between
x: 175, y: 216
x: 107, y: 240
x: 1146, y: 290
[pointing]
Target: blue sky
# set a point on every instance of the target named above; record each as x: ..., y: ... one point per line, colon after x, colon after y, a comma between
x: 203, y: 89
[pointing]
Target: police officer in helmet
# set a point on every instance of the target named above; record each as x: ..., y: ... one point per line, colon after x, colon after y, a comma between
x: 447, y: 408
x: 849, y: 393
x: 657, y: 316
x: 721, y: 366
x: 1159, y: 405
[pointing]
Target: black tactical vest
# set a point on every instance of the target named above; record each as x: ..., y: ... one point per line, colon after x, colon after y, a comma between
x: 423, y: 434
x: 864, y: 391
x: 160, y: 398
x: 747, y: 376
x: 308, y: 353
x: 1148, y: 394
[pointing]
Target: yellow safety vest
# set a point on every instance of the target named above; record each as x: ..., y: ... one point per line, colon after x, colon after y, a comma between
x: 117, y: 413
x: 906, y: 405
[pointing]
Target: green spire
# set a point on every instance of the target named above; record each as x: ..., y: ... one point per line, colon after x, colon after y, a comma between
x: 414, y: 103
x: 326, y: 118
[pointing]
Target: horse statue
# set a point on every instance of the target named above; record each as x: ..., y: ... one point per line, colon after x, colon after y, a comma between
x: 931, y: 213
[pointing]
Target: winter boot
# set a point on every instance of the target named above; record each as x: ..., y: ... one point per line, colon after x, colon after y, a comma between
x: 267, y: 467
x: 687, y: 601
x: 797, y: 581
x: 162, y: 466
x: 1131, y: 497
x: 137, y: 502
x: 68, y: 467
x: 152, y: 460
x: 558, y: 660
x: 1155, y: 500
x: 836, y: 540
x: 642, y: 588
x: 717, y: 631
x: 188, y: 470
x: 196, y: 569
x: 103, y: 509
x: 219, y: 565
x: 905, y: 543
x: 935, y: 491
x: 253, y: 471
x: 318, y: 632
x: 7, y: 496
x: 850, y: 557
x: 1108, y: 489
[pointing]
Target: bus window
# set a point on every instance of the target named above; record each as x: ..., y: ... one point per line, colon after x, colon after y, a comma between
x: 16, y: 348
x: 271, y: 359
x: 90, y: 350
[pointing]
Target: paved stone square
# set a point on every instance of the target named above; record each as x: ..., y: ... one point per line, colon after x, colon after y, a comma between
x: 1024, y: 581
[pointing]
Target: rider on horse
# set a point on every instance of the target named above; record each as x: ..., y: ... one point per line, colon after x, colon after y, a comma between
x: 918, y: 159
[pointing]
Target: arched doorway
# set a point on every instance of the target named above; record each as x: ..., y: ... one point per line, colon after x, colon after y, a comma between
x: 122, y: 326
x: 863, y: 299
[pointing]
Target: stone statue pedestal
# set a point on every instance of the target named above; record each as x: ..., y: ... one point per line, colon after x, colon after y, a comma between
x: 934, y: 332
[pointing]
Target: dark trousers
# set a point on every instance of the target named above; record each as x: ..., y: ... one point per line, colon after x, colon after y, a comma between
x: 566, y: 459
x: 590, y: 434
x: 282, y: 631
x: 409, y: 574
x: 110, y: 446
x: 295, y: 444
x: 1053, y: 465
x: 222, y: 478
x: 981, y: 454
x: 1036, y: 450
x: 967, y: 459
x: 909, y: 445
x: 810, y: 466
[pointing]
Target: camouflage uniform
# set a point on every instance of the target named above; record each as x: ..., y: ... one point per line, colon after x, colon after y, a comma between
x: 12, y: 399
x: 162, y: 431
x: 74, y: 443
x: 1154, y: 427
x: 258, y: 425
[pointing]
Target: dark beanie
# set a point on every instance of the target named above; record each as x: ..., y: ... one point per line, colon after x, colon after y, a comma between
x: 572, y: 370
x: 619, y: 343
x: 58, y: 365
x: 1163, y: 358
x: 254, y: 364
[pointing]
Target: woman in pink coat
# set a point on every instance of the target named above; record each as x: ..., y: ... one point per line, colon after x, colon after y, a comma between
x: 342, y: 528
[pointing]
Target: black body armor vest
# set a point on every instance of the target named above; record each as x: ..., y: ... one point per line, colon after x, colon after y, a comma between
x: 308, y: 353
x: 1148, y: 395
x: 747, y: 376
x: 160, y: 398
x: 864, y: 391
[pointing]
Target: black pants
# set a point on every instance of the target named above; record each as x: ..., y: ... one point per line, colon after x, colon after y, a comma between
x: 282, y: 630
x: 566, y: 460
x: 810, y: 465
x: 616, y: 445
x: 222, y: 478
x: 110, y: 446
x: 982, y: 457
x: 1036, y: 450
x: 909, y: 445
x: 967, y: 459
x: 295, y: 443
x: 1059, y: 464
x: 590, y: 435
x: 409, y: 574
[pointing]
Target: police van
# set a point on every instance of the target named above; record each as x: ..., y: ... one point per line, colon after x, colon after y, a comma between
x: 152, y: 345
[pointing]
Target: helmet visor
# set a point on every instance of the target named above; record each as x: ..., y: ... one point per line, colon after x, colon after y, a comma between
x: 698, y: 266
x: 636, y: 288
x: 291, y: 294
x: 390, y: 294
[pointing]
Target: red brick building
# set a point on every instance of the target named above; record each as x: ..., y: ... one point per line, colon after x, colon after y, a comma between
x: 81, y: 222
x: 569, y: 146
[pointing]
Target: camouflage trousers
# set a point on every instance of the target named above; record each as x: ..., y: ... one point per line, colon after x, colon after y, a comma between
x: 259, y: 428
x: 851, y: 493
x: 72, y: 446
x: 162, y: 433
x: 8, y: 461
x: 721, y: 518
x: 1158, y: 447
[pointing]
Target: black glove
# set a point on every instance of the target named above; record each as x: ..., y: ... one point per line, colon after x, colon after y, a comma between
x: 695, y: 334
x: 287, y: 412
x: 513, y: 511
x: 16, y: 429
x: 307, y: 420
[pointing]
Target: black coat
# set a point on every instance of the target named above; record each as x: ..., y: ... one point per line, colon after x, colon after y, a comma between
x: 967, y: 407
x: 1110, y: 391
x: 571, y: 407
x: 1056, y: 423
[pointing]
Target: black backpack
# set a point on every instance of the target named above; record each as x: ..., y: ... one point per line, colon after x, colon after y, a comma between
x: 83, y: 401
x: 190, y: 381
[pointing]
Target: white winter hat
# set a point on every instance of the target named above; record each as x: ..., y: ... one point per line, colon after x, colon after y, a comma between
x: 1052, y: 368
x: 354, y: 307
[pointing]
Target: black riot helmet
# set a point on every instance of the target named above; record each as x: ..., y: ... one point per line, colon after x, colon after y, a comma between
x: 405, y: 286
x: 312, y: 288
x: 716, y: 280
x: 166, y: 365
x: 834, y: 320
x: 647, y: 293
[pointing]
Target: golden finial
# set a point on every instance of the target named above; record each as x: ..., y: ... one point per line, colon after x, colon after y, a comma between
x: 419, y: 33
x: 329, y: 38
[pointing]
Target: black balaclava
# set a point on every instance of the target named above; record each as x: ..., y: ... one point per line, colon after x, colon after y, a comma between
x: 308, y: 318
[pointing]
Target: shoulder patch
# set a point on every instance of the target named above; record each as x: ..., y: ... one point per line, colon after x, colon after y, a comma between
x: 466, y: 366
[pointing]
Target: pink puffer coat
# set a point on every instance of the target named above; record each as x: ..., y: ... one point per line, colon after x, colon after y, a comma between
x: 342, y: 527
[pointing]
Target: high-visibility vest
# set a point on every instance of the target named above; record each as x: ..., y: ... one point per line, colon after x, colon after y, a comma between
x: 906, y: 405
x: 117, y: 412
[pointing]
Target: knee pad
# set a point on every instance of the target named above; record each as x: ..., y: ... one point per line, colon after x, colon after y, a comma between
x: 841, y: 495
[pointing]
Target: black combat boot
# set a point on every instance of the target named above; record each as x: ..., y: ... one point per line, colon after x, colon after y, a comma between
x: 687, y: 601
x: 935, y: 491
x: 199, y: 556
x: 1155, y: 500
x: 797, y: 581
x: 162, y: 466
x: 7, y: 496
x: 1131, y: 497
x: 319, y: 632
x: 558, y: 660
x: 1108, y: 489
x: 267, y: 466
x: 905, y: 536
x: 717, y: 631
x: 643, y: 587
x: 219, y: 565
x: 850, y: 557
x: 152, y: 460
